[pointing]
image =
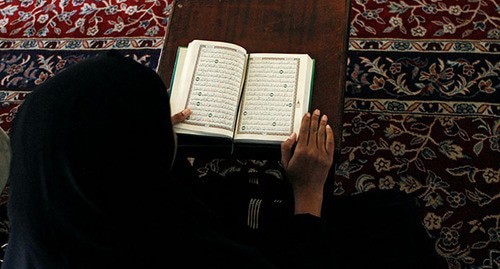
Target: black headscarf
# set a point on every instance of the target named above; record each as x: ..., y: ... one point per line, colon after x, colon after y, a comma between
x: 90, y: 182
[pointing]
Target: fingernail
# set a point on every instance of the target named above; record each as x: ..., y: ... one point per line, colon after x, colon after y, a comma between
x: 317, y: 112
x: 308, y: 114
x: 324, y: 118
x: 292, y: 136
x: 186, y: 112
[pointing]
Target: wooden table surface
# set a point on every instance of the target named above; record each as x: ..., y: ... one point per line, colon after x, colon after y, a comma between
x: 318, y: 28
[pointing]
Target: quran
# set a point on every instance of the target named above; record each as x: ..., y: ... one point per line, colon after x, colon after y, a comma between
x: 245, y: 97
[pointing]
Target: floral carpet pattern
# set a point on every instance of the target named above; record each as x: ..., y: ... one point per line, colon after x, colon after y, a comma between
x: 38, y: 39
x: 422, y: 115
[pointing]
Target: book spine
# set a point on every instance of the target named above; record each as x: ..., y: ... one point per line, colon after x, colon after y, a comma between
x: 174, y: 72
x: 312, y: 84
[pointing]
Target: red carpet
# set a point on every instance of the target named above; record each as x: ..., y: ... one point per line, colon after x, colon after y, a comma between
x: 422, y: 115
x: 38, y: 39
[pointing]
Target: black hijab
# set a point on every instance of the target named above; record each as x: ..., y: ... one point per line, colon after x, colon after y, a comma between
x: 90, y: 182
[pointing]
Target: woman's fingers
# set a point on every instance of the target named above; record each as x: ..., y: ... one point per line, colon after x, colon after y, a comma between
x: 322, y: 133
x: 304, y: 130
x: 330, y: 142
x: 286, y: 149
x: 313, y: 131
x: 181, y: 116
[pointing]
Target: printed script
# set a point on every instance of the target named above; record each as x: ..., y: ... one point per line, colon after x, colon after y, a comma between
x: 215, y: 87
x: 269, y: 96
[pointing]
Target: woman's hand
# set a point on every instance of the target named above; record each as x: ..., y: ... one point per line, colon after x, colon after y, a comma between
x: 181, y: 116
x: 308, y: 166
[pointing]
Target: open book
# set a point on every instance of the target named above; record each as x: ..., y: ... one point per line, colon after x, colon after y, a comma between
x: 247, y: 97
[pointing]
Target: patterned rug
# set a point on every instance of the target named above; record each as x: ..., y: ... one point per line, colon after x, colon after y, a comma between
x: 40, y: 38
x: 422, y: 115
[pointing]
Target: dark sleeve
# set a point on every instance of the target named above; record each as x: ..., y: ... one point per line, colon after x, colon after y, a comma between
x: 382, y: 227
x: 308, y: 241
x: 301, y: 243
x: 284, y: 240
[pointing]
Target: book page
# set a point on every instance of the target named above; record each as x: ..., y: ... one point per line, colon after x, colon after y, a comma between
x: 273, y: 96
x: 210, y: 86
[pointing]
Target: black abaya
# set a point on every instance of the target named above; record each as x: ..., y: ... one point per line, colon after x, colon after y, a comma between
x: 91, y: 186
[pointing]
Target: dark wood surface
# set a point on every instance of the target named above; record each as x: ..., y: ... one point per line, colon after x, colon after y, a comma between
x: 318, y: 28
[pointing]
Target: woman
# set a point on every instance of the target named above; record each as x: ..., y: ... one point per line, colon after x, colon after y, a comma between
x: 91, y: 183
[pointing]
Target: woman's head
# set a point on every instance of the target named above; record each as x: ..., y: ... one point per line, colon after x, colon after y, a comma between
x: 91, y: 146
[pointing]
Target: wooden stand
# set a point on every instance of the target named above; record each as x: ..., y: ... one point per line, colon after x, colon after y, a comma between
x: 318, y: 28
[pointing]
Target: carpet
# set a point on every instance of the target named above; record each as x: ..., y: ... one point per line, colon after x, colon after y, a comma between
x: 38, y: 39
x: 422, y: 116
